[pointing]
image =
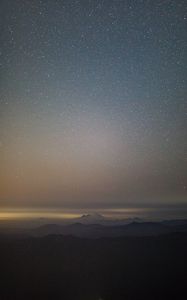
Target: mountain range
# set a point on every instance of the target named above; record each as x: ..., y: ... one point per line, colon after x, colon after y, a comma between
x: 97, y: 226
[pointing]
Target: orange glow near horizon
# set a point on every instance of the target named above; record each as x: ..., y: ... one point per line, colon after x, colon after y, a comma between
x: 26, y: 214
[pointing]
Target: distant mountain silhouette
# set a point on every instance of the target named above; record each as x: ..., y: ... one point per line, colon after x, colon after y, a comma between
x: 85, y: 227
x: 96, y: 218
x: 91, y: 218
x: 98, y: 230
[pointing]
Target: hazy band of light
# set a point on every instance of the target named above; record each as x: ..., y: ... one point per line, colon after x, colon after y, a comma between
x: 16, y: 214
x: 7, y: 215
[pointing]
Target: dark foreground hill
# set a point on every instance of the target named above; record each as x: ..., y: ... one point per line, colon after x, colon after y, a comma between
x: 71, y: 268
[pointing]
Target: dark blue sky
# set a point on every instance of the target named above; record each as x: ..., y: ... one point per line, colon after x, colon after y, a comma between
x: 93, y: 103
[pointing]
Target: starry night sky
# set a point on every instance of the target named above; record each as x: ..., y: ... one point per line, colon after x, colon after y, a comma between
x: 93, y: 104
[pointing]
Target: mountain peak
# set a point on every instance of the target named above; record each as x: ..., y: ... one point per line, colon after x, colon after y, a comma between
x: 91, y: 218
